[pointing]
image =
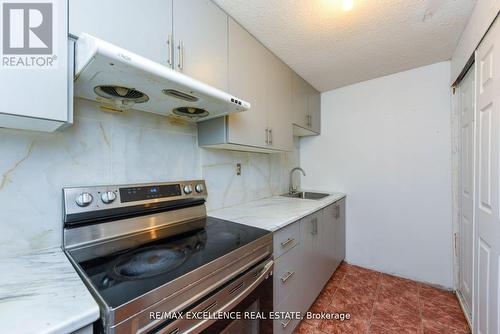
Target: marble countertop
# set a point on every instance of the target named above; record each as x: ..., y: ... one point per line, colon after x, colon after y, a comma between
x: 275, y: 212
x: 42, y: 293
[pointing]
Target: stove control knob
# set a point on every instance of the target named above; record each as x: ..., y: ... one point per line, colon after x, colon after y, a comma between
x: 84, y: 199
x: 199, y: 188
x: 108, y: 197
x: 188, y: 189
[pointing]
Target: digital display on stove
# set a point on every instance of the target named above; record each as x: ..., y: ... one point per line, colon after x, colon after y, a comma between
x: 143, y: 193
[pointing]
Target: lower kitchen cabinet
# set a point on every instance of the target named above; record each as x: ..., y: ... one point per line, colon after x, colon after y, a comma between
x: 285, y: 326
x: 334, y: 239
x: 307, y: 252
x: 312, y: 258
x: 287, y: 272
x: 340, y: 232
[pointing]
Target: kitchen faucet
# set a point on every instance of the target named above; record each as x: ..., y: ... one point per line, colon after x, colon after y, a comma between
x: 292, y: 189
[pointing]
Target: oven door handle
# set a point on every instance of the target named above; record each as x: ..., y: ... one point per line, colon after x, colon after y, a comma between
x: 266, y: 270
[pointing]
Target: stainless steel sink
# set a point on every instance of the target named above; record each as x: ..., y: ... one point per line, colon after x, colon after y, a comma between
x: 306, y: 195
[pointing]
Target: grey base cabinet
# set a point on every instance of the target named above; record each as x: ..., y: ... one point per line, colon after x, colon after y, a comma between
x: 307, y: 252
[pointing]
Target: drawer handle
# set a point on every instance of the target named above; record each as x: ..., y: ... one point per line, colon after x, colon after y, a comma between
x: 285, y: 323
x: 287, y: 241
x: 287, y: 276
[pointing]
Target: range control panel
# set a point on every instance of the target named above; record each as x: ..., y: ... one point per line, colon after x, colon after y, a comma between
x: 141, y: 193
x: 85, y: 199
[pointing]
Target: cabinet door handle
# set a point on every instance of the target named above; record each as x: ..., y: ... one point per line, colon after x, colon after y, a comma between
x: 170, y: 50
x: 271, y: 136
x: 180, y: 48
x: 287, y: 276
x: 287, y: 241
x: 285, y: 323
x: 314, y: 224
x: 337, y: 211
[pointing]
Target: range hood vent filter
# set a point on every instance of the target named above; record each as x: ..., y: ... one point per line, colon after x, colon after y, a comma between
x: 122, y: 93
x: 190, y: 112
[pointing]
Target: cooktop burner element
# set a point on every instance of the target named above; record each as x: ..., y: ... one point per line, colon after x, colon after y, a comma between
x: 151, y: 247
x: 149, y: 262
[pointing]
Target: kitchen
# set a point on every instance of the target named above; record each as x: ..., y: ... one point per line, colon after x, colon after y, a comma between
x: 328, y: 166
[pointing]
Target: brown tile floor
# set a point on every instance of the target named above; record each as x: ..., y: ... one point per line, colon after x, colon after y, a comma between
x: 380, y: 303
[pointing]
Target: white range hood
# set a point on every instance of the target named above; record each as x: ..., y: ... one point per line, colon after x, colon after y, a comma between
x: 122, y: 80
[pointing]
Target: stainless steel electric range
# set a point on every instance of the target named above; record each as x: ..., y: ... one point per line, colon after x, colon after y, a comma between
x: 146, y: 251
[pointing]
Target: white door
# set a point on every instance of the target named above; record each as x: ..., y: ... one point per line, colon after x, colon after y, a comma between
x: 466, y: 186
x: 200, y: 35
x: 487, y: 209
x: 136, y: 26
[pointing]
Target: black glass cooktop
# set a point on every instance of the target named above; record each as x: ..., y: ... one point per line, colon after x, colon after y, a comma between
x: 127, y: 274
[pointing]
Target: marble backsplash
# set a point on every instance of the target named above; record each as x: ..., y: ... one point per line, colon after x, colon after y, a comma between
x: 106, y: 148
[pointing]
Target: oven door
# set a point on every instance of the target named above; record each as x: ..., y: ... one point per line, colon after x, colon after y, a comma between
x: 241, y: 306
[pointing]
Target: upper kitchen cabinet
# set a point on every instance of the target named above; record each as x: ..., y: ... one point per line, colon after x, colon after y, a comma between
x: 145, y: 30
x: 306, y: 107
x: 187, y: 35
x: 279, y: 103
x: 201, y: 41
x: 314, y: 108
x: 37, y: 80
x: 259, y: 77
x: 247, y: 79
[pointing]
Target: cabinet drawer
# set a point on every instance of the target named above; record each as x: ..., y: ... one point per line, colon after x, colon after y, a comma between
x: 286, y: 275
x: 285, y: 239
x: 289, y: 304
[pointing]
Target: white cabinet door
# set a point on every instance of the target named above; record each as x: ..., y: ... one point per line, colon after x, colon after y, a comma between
x: 340, y: 233
x: 487, y: 203
x: 306, y: 104
x: 201, y: 41
x: 38, y: 98
x: 466, y: 186
x: 311, y: 259
x: 326, y: 245
x: 330, y: 238
x: 300, y: 101
x: 314, y: 110
x: 247, y: 80
x: 279, y: 102
x: 140, y: 27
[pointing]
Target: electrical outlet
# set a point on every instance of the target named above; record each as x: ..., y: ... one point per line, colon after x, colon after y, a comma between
x: 238, y: 169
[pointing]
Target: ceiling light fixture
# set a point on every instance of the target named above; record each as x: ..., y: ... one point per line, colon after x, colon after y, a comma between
x: 347, y: 5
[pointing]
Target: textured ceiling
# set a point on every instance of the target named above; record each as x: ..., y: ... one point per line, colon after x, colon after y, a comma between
x: 331, y: 48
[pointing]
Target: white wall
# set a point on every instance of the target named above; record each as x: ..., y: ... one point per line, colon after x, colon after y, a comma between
x: 106, y: 148
x: 387, y: 144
